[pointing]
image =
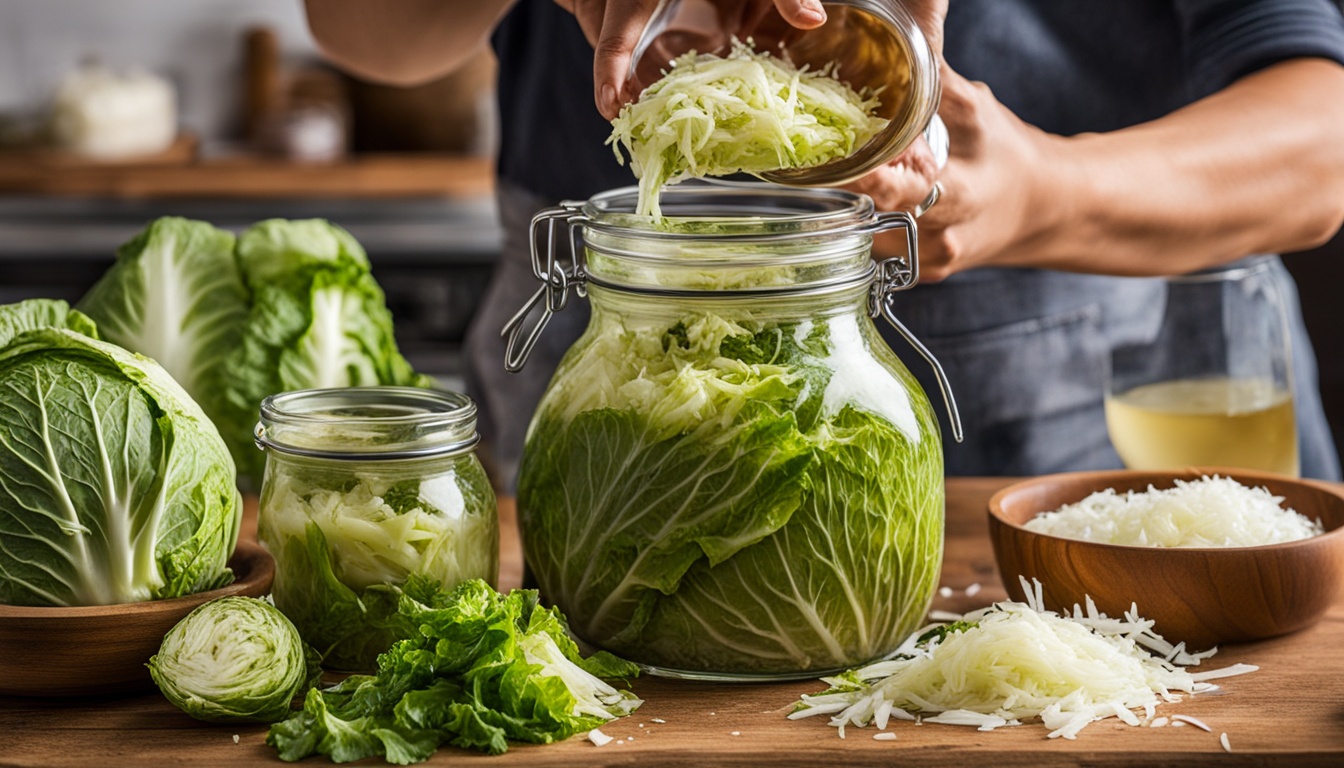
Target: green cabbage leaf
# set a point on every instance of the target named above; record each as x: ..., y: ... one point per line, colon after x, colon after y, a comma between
x: 33, y: 314
x: 476, y: 669
x: 287, y: 305
x: 114, y: 486
x: 175, y: 294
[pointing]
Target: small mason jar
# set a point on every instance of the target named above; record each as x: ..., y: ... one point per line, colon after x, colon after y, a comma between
x: 731, y: 475
x: 365, y: 488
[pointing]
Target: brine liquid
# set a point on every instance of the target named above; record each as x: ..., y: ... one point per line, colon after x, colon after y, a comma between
x: 1245, y: 423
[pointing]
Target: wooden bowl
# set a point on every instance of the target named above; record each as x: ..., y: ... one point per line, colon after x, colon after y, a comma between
x: 102, y: 649
x: 1202, y: 596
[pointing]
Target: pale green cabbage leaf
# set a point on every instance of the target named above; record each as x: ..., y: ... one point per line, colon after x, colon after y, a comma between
x: 287, y: 305
x: 114, y: 486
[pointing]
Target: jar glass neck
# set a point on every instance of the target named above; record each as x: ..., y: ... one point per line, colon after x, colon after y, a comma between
x: 368, y: 423
x: 724, y: 238
x: 643, y: 308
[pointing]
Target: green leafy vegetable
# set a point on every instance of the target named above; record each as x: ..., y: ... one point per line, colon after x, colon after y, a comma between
x: 745, y: 112
x: 476, y: 669
x: 318, y: 319
x: 708, y: 495
x: 336, y: 535
x: 114, y: 487
x: 33, y: 314
x: 289, y: 305
x: 235, y: 659
x: 175, y: 295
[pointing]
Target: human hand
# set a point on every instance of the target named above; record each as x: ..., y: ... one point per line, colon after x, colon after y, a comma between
x: 614, y: 28
x: 995, y: 187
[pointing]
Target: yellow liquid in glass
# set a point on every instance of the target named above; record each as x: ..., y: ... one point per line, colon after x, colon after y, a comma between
x: 1245, y: 423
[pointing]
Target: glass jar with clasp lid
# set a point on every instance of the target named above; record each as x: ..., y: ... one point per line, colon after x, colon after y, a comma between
x: 365, y: 488
x: 731, y: 475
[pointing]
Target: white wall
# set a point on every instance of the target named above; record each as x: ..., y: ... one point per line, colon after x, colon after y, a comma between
x: 198, y: 44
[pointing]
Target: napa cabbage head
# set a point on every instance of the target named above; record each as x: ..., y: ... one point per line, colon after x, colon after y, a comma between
x: 287, y: 305
x: 317, y: 319
x: 745, y: 112
x: 708, y: 495
x: 114, y: 486
x: 175, y: 294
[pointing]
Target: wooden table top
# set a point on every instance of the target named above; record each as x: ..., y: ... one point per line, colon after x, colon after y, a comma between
x: 1289, y: 713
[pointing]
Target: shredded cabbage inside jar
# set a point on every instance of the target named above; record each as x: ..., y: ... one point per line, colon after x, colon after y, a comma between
x: 745, y: 112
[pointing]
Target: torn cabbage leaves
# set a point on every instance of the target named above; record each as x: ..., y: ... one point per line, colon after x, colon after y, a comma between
x: 476, y: 669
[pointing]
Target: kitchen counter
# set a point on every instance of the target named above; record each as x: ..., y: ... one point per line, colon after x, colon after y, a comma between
x: 1289, y: 713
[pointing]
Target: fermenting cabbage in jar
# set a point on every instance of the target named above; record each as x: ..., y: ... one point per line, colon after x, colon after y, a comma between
x: 750, y: 492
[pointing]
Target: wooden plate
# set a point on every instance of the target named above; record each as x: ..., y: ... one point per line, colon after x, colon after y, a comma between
x: 102, y: 649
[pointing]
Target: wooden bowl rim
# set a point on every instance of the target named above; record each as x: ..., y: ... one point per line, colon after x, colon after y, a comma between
x: 1329, y: 537
x: 252, y: 564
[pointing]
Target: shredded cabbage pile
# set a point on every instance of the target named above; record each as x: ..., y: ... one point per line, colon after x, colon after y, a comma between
x: 1013, y: 661
x: 747, y: 112
x: 1209, y: 512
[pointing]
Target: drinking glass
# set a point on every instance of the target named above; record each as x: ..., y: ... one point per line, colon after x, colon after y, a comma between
x: 1214, y: 387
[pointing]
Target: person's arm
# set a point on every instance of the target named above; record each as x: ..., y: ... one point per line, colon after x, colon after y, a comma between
x: 1257, y: 167
x: 402, y: 42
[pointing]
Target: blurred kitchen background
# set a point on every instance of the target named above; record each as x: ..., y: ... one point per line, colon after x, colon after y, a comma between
x: 114, y: 112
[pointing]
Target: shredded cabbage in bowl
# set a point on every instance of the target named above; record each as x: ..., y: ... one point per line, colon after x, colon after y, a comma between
x: 745, y: 112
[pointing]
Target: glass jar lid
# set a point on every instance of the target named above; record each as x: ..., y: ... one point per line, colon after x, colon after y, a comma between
x: 368, y: 423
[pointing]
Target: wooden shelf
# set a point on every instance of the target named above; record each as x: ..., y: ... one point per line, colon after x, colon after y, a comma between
x: 362, y: 176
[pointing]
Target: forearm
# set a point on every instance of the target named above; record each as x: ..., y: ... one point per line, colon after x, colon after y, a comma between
x: 402, y: 42
x: 1257, y: 167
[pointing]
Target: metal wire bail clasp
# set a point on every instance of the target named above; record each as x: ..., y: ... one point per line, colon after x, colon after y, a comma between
x: 900, y: 273
x: 556, y: 280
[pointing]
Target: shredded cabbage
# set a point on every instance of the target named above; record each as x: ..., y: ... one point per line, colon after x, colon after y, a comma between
x: 1012, y: 662
x: 1209, y: 512
x: 745, y: 112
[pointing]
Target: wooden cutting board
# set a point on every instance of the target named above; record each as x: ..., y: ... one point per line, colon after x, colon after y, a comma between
x: 1290, y: 713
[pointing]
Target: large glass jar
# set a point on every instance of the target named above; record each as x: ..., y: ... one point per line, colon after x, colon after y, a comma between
x: 731, y: 475
x: 365, y: 488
